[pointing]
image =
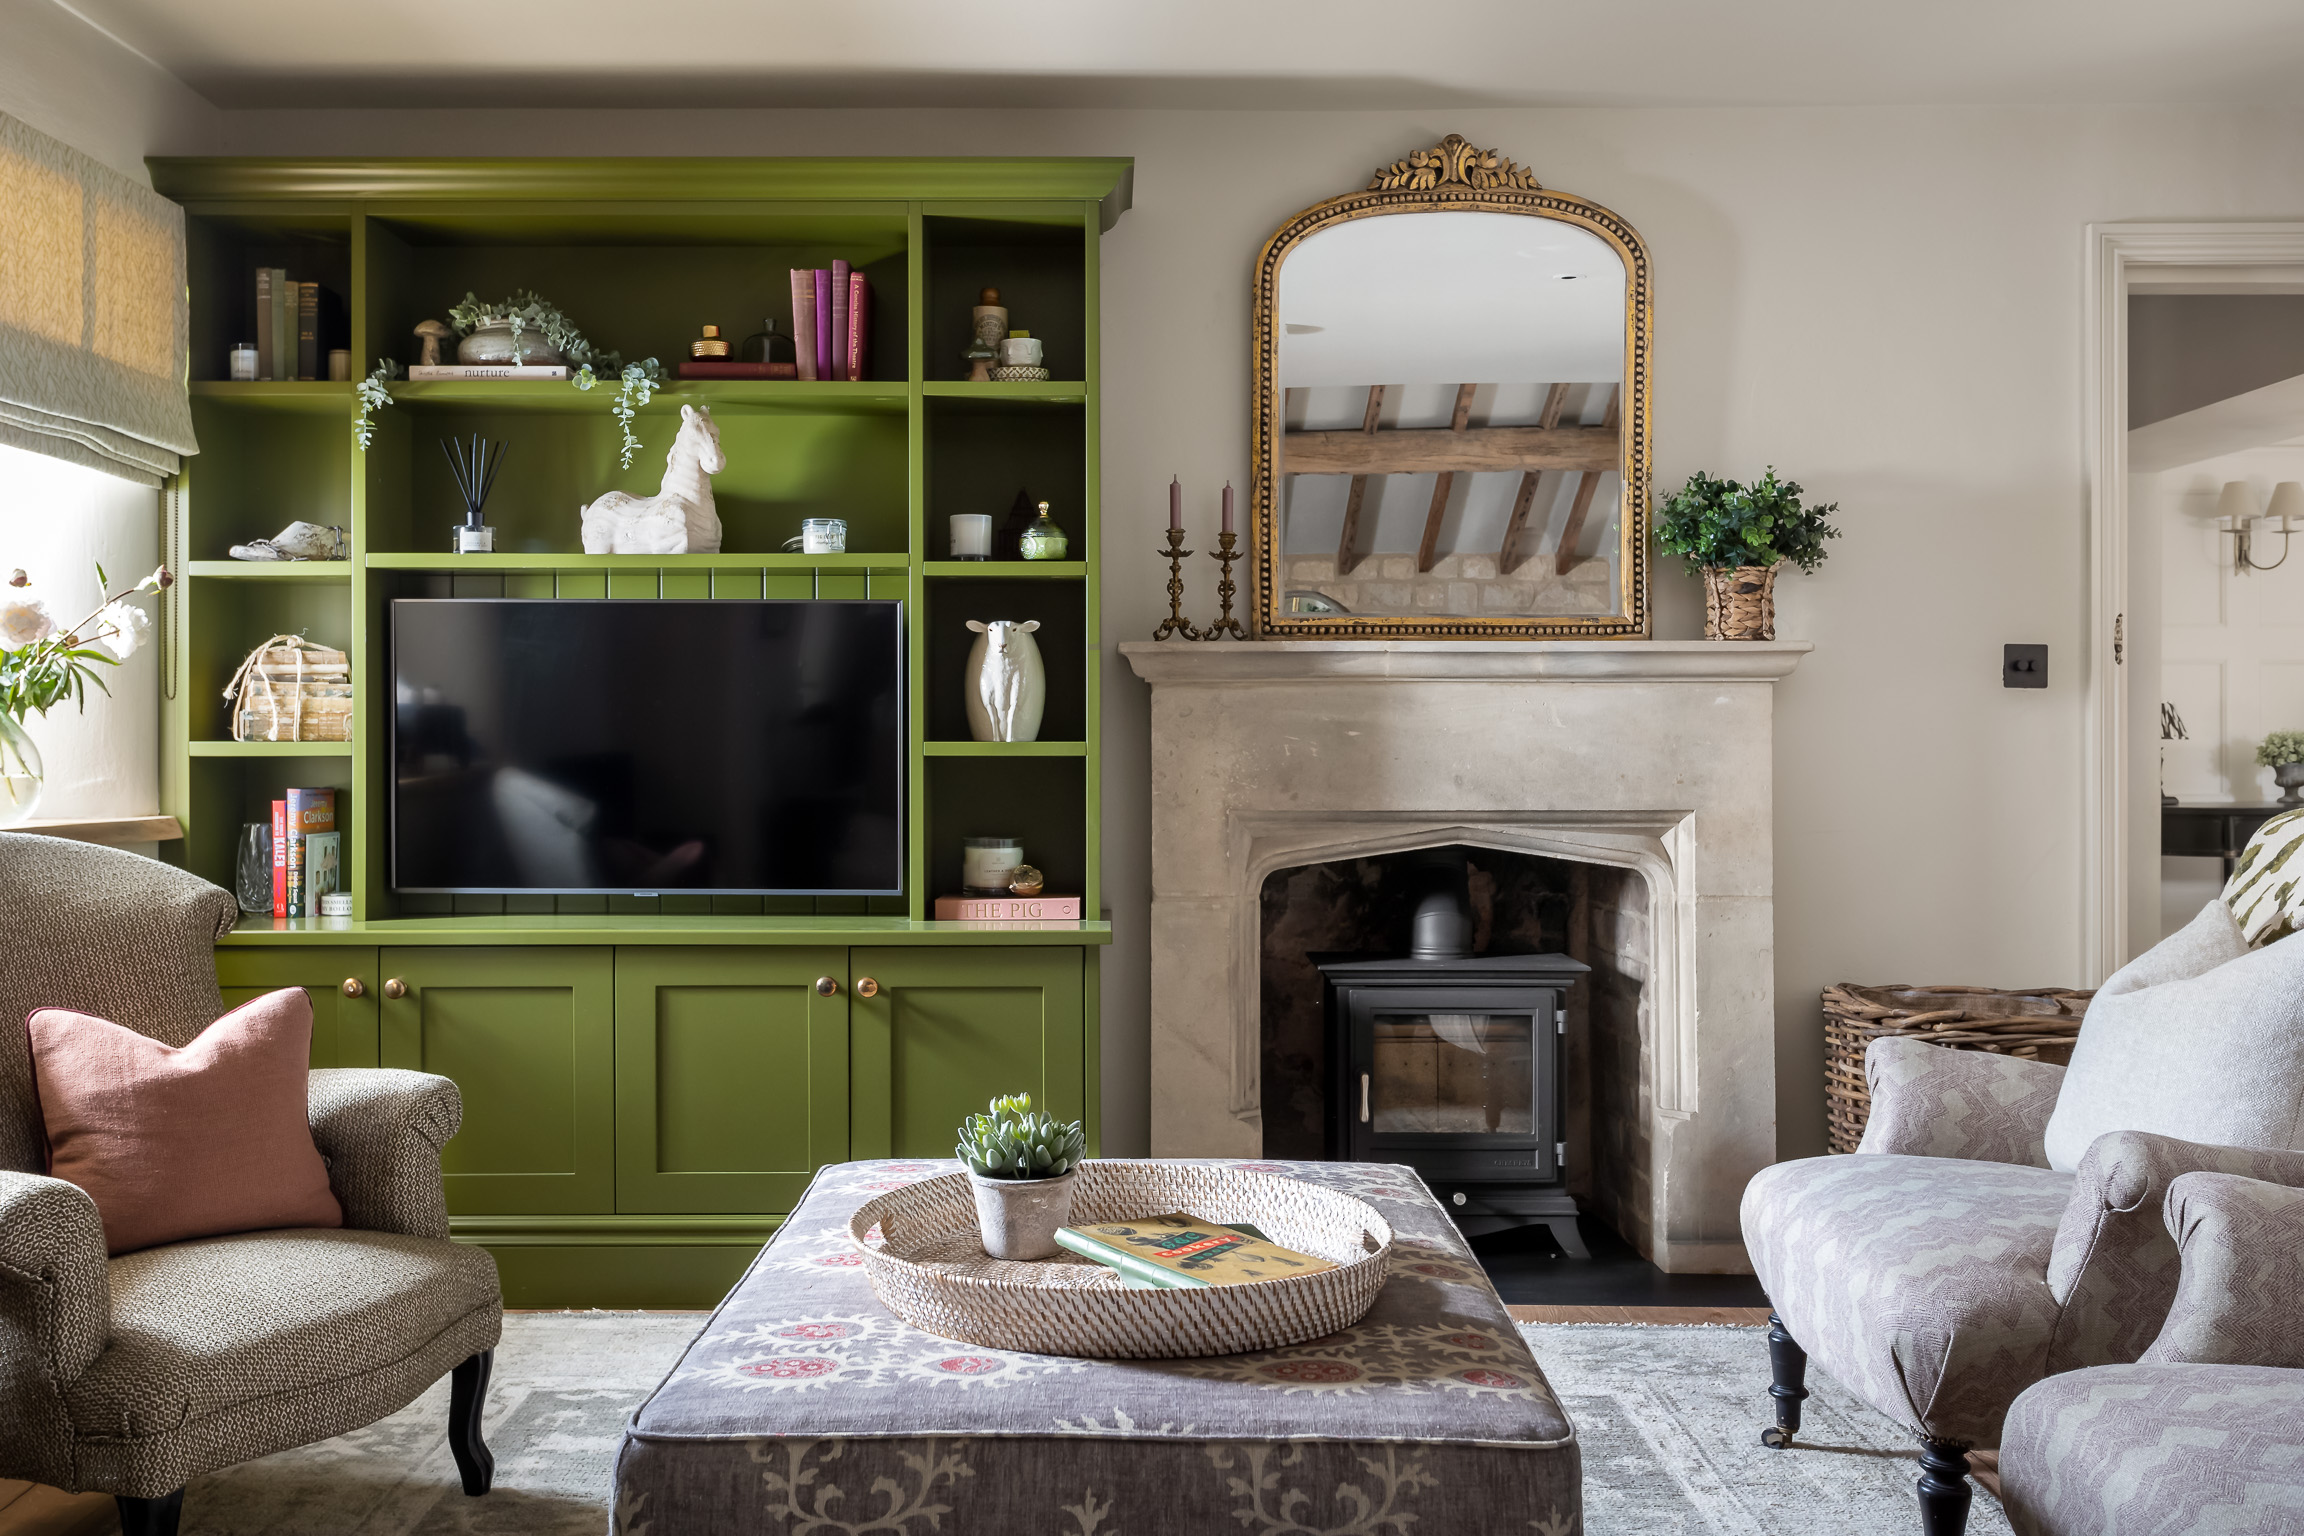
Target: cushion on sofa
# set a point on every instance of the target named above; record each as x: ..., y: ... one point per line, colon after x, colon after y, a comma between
x: 2266, y: 891
x: 192, y: 1141
x: 2199, y: 1038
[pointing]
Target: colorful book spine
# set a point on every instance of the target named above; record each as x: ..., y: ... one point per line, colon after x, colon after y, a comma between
x: 859, y: 325
x: 839, y: 328
x: 263, y: 322
x: 823, y: 281
x: 713, y: 368
x: 308, y: 811
x: 804, y: 321
x: 1007, y: 909
x: 279, y: 858
x: 308, y: 330
x: 283, y: 326
x: 323, y: 867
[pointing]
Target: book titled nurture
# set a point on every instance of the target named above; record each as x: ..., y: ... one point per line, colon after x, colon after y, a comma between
x: 1177, y: 1250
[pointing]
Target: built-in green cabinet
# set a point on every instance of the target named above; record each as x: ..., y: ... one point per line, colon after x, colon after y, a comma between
x: 340, y: 982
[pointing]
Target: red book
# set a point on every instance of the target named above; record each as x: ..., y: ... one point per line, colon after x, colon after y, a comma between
x: 839, y: 328
x: 279, y: 858
x: 804, y: 321
x: 1007, y: 909
x: 714, y: 368
x: 823, y: 331
x: 859, y: 324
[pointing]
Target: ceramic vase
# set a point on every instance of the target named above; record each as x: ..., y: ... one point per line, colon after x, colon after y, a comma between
x: 1018, y: 1218
x: 21, y: 773
x: 2290, y: 778
x: 491, y: 345
x: 1005, y: 685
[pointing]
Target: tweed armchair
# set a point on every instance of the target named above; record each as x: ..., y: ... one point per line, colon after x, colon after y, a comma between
x: 1944, y: 1267
x: 133, y: 1375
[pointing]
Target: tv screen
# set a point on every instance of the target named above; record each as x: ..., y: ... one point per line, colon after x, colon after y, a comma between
x: 612, y: 746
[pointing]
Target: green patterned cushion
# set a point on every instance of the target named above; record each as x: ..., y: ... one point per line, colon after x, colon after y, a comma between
x: 2266, y: 891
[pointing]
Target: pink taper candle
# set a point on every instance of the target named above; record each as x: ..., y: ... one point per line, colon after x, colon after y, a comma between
x: 1175, y: 503
x: 1227, y: 506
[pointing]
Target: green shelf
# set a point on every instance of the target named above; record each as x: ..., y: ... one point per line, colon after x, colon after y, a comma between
x: 271, y: 748
x: 979, y: 570
x: 1054, y: 392
x: 1005, y: 748
x: 318, y: 572
x: 561, y: 562
x: 296, y: 397
x: 814, y: 397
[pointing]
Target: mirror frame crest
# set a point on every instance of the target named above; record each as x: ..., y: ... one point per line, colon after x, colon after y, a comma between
x: 1452, y: 177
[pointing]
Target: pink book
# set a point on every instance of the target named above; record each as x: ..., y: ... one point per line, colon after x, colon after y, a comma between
x: 1007, y: 909
x: 839, y: 329
x: 859, y: 322
x: 804, y: 320
x: 823, y: 323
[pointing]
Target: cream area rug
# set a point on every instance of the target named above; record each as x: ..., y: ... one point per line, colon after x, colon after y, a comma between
x: 1670, y: 1420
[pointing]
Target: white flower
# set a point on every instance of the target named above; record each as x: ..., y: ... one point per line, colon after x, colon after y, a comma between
x: 129, y: 626
x: 24, y: 618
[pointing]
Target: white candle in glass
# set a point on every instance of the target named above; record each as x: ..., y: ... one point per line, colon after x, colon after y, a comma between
x: 971, y: 536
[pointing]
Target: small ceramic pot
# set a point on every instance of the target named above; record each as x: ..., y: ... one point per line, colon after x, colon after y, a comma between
x: 1021, y: 352
x: 2290, y: 778
x: 491, y: 346
x: 1019, y: 1217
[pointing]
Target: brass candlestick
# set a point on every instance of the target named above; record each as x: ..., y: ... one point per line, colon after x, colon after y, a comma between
x: 1226, y: 625
x: 1176, y: 623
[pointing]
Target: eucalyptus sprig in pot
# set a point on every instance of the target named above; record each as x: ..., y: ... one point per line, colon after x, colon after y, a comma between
x: 1021, y: 1164
x: 1737, y: 537
x: 2283, y: 753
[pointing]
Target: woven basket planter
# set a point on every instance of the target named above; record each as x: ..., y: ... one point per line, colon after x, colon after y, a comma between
x: 928, y: 1266
x: 1740, y: 602
x: 2038, y: 1023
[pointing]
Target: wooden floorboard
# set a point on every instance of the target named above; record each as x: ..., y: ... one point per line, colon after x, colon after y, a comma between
x: 1736, y: 1317
x: 33, y: 1509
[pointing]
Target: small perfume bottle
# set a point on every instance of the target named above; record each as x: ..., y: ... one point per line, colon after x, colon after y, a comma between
x: 471, y: 536
x: 1043, y: 540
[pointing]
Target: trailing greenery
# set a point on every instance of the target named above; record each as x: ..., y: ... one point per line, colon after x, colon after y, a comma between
x: 636, y: 385
x: 1009, y: 1141
x: 527, y: 310
x: 43, y: 663
x: 1710, y: 522
x: 2280, y: 748
x: 374, y: 394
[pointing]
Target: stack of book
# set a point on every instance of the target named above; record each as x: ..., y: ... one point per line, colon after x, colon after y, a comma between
x: 1007, y: 909
x: 287, y: 327
x: 831, y: 321
x: 1177, y: 1251
x: 307, y: 852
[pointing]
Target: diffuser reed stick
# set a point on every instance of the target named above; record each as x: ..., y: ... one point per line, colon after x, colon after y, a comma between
x: 475, y: 470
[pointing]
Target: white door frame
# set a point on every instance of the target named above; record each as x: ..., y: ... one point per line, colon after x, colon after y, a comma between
x: 2113, y: 249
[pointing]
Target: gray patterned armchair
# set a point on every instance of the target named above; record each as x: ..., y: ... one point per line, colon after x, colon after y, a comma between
x: 131, y: 1376
x: 1944, y: 1267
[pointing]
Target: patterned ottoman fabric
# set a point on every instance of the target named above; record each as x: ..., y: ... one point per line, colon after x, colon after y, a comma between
x: 804, y: 1406
x: 2157, y: 1450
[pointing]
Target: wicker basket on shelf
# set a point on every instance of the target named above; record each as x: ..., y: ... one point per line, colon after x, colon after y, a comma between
x: 2038, y: 1023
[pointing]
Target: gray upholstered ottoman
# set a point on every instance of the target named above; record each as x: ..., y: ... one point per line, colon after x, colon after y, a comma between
x: 804, y: 1405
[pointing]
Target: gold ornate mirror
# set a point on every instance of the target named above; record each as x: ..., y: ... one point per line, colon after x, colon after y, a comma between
x: 1451, y: 411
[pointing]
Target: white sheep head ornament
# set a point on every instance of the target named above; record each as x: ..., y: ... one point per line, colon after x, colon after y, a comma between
x: 1007, y: 687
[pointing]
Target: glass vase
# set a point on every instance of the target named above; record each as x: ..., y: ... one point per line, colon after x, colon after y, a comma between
x: 21, y: 773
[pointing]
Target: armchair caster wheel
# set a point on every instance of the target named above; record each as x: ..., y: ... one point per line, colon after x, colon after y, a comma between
x: 1776, y: 1437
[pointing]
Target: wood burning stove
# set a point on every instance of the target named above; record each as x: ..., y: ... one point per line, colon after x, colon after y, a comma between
x: 1450, y: 1062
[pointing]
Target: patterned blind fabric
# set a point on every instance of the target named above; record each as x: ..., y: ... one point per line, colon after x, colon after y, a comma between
x: 94, y: 324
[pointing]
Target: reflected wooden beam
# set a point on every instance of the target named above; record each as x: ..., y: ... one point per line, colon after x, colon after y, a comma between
x: 1430, y: 450
x: 1348, y: 545
x: 1509, y: 554
x: 1427, y: 551
x: 1587, y: 483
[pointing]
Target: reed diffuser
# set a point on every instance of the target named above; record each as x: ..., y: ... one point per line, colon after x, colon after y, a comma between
x: 475, y: 471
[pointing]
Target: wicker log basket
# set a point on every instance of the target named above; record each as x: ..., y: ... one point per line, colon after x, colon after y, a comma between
x: 2038, y: 1023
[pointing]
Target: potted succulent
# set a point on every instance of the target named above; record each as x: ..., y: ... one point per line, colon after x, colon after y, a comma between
x: 1736, y: 537
x: 2283, y: 753
x: 1021, y: 1165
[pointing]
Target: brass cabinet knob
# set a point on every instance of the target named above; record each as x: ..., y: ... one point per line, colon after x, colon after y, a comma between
x: 353, y: 987
x: 867, y: 987
x: 395, y: 988
x: 827, y: 987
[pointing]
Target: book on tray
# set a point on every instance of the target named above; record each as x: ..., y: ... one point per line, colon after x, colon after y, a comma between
x: 1177, y: 1251
x: 831, y: 325
x: 1007, y: 909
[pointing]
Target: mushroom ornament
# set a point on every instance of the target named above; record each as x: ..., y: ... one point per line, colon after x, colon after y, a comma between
x: 433, y: 333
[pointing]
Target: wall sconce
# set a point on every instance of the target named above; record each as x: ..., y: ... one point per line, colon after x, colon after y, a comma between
x: 2236, y: 512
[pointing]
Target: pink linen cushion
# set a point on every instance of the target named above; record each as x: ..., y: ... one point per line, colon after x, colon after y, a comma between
x: 192, y: 1142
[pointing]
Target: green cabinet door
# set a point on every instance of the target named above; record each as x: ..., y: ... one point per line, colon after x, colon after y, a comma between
x: 731, y: 1076
x: 340, y: 982
x: 943, y: 1030
x: 526, y: 1035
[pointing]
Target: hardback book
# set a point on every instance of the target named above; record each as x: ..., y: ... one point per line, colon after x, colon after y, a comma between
x: 283, y: 326
x: 424, y: 371
x: 308, y: 811
x: 308, y: 330
x: 279, y: 858
x: 1007, y: 909
x: 823, y: 333
x: 859, y: 326
x: 263, y: 322
x: 804, y: 321
x: 840, y: 321
x: 718, y: 368
x: 1177, y: 1250
x: 323, y: 868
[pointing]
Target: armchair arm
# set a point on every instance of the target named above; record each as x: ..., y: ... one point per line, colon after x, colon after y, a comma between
x: 55, y: 1317
x: 1933, y: 1101
x: 2240, y: 1298
x: 2114, y: 1268
x: 381, y: 1131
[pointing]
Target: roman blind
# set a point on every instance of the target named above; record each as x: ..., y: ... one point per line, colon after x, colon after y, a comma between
x: 94, y: 325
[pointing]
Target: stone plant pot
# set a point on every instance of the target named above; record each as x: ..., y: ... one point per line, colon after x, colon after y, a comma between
x: 1740, y: 602
x: 2290, y: 778
x: 1019, y: 1217
x: 490, y: 344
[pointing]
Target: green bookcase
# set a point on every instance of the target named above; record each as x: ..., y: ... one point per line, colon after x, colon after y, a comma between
x: 599, y: 1158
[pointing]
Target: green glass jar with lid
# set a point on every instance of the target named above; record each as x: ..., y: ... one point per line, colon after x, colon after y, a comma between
x: 1042, y: 539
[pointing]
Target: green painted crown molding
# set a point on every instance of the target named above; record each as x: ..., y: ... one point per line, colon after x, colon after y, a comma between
x: 209, y: 179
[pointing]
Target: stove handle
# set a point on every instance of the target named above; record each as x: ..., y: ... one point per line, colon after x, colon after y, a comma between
x: 1363, y: 1098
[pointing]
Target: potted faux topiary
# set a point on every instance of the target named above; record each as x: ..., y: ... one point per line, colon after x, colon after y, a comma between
x: 1021, y: 1164
x: 2283, y: 753
x: 1736, y: 536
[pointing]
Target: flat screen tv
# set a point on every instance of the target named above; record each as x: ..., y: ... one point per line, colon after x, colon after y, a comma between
x: 609, y: 746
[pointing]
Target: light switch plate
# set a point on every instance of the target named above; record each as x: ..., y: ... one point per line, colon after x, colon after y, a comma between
x: 2024, y: 666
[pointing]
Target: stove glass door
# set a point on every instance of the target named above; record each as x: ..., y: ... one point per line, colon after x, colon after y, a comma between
x: 1452, y: 1074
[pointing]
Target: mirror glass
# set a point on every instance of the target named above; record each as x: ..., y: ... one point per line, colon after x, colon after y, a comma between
x: 1451, y: 392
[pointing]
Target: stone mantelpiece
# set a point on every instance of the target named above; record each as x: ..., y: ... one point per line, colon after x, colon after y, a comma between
x: 1650, y: 756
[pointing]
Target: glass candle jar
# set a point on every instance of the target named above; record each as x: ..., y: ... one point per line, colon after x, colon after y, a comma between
x: 972, y: 536
x: 824, y: 536
x: 244, y: 363
x: 987, y: 863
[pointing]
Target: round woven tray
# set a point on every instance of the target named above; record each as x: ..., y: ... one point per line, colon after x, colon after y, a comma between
x: 2037, y: 1023
x: 929, y: 1267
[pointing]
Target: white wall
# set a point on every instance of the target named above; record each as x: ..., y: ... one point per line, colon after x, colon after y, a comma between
x: 1885, y: 304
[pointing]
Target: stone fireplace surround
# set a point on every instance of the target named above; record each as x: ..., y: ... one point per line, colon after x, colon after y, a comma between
x: 1653, y: 756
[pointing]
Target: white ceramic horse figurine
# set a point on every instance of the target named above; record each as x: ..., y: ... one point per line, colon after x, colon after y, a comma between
x: 679, y: 519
